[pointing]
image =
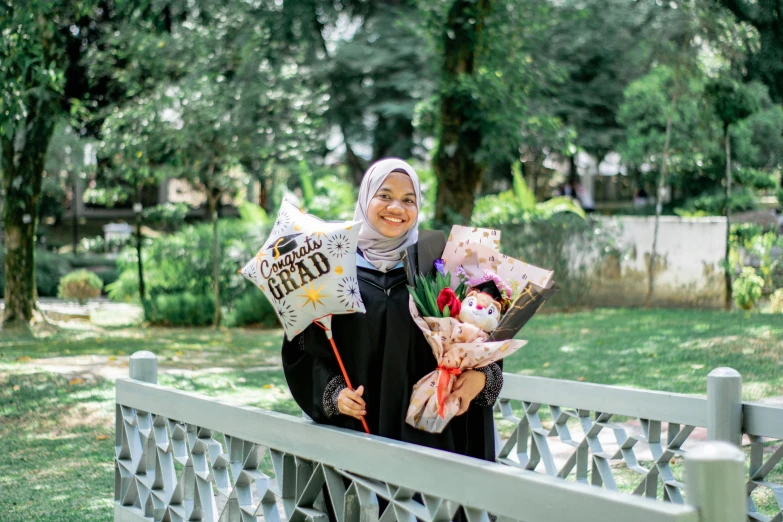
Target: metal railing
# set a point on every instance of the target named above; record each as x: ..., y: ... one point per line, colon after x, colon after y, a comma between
x: 183, y: 456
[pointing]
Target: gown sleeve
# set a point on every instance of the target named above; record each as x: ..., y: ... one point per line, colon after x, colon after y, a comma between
x: 310, y: 369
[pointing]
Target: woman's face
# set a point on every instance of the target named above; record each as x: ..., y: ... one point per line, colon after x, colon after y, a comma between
x: 392, y: 210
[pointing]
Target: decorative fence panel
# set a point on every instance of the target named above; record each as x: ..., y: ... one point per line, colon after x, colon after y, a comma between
x: 181, y: 456
x: 579, y: 420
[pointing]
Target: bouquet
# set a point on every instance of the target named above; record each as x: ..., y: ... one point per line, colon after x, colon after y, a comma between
x: 459, y: 314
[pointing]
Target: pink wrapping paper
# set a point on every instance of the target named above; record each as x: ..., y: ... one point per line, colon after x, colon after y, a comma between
x: 454, y: 345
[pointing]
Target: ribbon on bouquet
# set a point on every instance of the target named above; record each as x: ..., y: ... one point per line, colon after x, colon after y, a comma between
x: 443, y: 384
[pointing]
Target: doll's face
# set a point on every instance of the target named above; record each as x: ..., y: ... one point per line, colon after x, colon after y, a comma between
x: 392, y: 210
x: 481, y: 310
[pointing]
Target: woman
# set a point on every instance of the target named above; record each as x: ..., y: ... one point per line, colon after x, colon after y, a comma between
x: 384, y: 352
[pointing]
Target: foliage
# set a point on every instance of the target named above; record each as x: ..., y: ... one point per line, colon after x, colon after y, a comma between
x: 80, y: 285
x: 645, y: 112
x: 764, y: 63
x: 757, y: 141
x: 252, y: 308
x: 180, y: 263
x: 325, y: 194
x: 519, y: 205
x: 169, y: 216
x: 714, y: 203
x: 747, y: 288
x: 731, y: 100
x: 180, y: 309
x: 377, y: 79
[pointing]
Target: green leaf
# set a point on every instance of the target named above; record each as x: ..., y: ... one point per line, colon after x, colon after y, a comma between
x: 524, y: 196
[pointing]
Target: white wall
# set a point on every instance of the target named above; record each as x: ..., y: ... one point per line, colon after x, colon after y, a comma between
x: 688, y: 269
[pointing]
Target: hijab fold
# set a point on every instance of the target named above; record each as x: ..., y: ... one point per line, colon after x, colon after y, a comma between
x: 381, y: 251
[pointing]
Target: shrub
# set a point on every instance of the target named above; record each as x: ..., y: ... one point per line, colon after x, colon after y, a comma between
x: 747, y: 288
x: 182, y: 262
x: 776, y: 301
x: 49, y: 269
x: 181, y: 309
x: 80, y: 285
x: 252, y: 308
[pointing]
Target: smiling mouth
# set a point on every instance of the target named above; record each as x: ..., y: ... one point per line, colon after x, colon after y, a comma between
x: 394, y: 220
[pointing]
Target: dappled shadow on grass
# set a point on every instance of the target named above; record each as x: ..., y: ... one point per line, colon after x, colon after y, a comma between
x: 58, y: 447
x: 263, y: 388
x: 187, y: 348
x: 671, y: 350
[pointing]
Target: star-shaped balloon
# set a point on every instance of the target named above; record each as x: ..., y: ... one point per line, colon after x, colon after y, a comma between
x: 307, y: 268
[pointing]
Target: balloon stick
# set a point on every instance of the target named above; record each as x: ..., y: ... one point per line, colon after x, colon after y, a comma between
x: 325, y: 323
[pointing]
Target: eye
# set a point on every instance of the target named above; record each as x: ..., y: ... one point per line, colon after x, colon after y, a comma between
x: 491, y: 311
x: 410, y: 201
x: 470, y: 303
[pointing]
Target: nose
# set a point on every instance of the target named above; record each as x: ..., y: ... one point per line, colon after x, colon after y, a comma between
x: 394, y: 205
x: 479, y: 307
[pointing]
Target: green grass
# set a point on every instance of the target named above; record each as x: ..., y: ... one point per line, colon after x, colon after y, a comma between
x: 669, y: 350
x: 56, y: 462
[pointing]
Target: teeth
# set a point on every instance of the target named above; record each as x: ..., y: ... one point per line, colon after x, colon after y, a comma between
x: 393, y: 220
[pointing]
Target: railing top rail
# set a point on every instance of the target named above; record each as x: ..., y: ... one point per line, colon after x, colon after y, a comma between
x: 645, y: 404
x: 483, y: 485
x: 764, y: 420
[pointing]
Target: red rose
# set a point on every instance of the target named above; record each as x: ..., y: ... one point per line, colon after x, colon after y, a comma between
x: 447, y: 297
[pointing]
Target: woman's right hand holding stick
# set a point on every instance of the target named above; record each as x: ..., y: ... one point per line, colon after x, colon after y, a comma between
x: 350, y: 402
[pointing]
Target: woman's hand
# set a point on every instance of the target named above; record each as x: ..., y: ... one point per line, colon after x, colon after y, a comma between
x: 350, y: 402
x: 468, y: 385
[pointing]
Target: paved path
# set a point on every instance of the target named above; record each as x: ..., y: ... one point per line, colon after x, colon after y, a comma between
x: 60, y: 310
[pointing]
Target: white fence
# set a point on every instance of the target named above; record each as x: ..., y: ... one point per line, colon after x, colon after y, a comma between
x: 182, y: 456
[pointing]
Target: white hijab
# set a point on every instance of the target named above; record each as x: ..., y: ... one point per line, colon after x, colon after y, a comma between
x: 381, y: 251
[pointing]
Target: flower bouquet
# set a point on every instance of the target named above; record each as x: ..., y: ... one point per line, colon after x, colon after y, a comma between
x: 459, y: 315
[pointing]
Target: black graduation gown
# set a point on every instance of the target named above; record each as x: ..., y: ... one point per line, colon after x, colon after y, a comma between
x: 386, y: 352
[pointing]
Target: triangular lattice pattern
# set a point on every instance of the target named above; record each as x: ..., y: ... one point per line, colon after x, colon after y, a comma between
x: 171, y: 471
x: 589, y: 462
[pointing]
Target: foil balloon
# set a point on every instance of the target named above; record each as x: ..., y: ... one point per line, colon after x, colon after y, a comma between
x: 307, y: 269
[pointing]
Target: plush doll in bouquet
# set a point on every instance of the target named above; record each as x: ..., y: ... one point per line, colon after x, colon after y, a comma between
x: 483, y: 306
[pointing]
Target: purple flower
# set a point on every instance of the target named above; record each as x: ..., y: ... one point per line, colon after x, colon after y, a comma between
x: 440, y: 265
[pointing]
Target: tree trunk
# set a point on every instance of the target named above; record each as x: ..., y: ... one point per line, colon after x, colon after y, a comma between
x: 727, y: 144
x: 142, y: 293
x: 456, y: 168
x: 24, y: 155
x: 213, y: 196
x: 659, y: 204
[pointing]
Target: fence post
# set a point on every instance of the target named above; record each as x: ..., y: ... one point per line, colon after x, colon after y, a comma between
x: 724, y: 405
x: 715, y: 479
x: 143, y: 366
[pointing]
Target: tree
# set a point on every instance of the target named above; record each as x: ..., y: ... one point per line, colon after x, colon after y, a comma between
x: 132, y: 153
x: 240, y: 98
x: 492, y: 86
x: 46, y: 76
x: 378, y: 77
x: 732, y: 102
x: 34, y: 95
x: 664, y: 113
x: 765, y: 64
x: 456, y: 163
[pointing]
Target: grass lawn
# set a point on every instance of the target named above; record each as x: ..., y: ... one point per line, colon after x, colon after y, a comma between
x: 56, y: 462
